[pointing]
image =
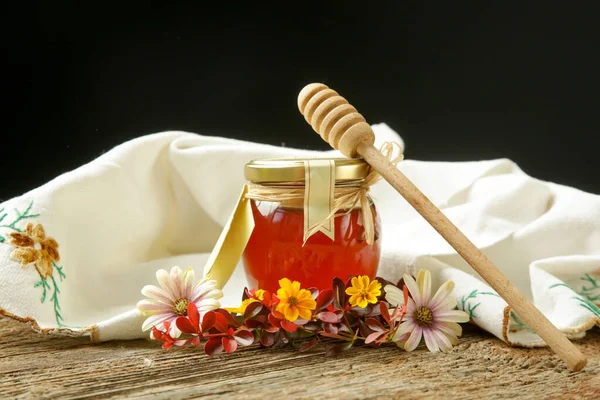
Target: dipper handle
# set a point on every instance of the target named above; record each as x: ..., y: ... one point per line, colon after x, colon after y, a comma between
x: 345, y: 129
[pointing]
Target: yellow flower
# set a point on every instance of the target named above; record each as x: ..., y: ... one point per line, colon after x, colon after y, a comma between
x: 293, y: 301
x: 256, y: 295
x: 242, y: 308
x: 363, y: 291
x: 259, y: 294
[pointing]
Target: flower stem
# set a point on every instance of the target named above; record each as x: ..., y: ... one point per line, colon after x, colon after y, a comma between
x: 44, y: 284
x: 20, y: 216
x: 59, y: 269
x: 2, y: 239
x: 59, y: 318
x: 355, y: 335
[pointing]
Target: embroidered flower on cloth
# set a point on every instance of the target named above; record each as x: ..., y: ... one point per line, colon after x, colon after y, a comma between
x: 171, y: 299
x: 293, y: 301
x: 432, y: 318
x: 363, y: 291
x: 33, y: 247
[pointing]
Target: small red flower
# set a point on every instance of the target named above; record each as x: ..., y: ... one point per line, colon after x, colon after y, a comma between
x: 163, y: 336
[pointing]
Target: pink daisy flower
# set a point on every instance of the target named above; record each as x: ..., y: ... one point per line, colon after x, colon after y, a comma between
x: 177, y: 290
x: 432, y: 318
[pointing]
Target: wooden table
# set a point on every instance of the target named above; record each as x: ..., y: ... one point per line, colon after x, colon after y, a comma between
x: 481, y: 366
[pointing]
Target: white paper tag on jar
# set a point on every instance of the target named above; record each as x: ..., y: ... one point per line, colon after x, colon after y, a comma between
x: 318, y: 197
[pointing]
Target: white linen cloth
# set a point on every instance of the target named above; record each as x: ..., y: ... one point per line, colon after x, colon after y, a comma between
x: 162, y: 200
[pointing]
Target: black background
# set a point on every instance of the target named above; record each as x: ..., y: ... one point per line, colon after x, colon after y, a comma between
x: 459, y: 81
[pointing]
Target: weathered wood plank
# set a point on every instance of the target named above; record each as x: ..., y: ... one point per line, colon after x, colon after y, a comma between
x: 34, y: 366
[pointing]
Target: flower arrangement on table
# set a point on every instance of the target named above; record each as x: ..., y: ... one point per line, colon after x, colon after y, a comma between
x: 183, y: 312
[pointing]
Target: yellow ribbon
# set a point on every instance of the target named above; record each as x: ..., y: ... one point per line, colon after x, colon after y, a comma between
x: 346, y: 195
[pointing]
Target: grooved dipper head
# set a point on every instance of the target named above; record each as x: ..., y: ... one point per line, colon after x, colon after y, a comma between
x: 332, y: 117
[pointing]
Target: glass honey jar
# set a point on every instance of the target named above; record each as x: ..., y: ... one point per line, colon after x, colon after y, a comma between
x: 282, y: 192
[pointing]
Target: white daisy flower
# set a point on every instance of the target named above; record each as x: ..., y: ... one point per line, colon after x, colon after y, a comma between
x: 170, y: 301
x: 433, y: 318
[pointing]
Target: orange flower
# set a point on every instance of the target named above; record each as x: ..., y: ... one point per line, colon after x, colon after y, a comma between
x: 293, y: 301
x: 33, y: 247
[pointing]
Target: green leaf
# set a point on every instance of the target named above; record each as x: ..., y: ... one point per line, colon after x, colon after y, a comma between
x: 59, y: 269
x: 59, y: 318
x: 489, y: 294
x: 472, y: 309
x: 44, y: 286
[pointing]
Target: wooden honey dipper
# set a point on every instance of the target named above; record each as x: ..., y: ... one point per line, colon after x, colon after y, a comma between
x: 345, y: 129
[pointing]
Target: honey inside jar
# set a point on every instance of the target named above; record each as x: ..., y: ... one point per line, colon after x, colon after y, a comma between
x: 276, y: 248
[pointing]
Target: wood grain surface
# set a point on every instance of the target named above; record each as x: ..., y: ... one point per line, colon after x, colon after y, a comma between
x: 481, y: 366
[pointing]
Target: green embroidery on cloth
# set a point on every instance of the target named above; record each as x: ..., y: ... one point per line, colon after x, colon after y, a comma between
x: 581, y: 298
x: 467, y: 304
x: 20, y: 216
x: 516, y: 321
x: 33, y: 248
x: 592, y: 293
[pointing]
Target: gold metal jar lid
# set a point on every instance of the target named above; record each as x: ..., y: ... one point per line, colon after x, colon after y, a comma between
x: 292, y: 169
